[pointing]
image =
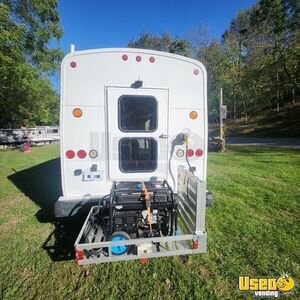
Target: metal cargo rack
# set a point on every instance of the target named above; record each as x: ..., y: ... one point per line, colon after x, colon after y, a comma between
x: 189, y: 238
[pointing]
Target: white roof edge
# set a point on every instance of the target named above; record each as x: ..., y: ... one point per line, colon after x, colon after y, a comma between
x: 136, y: 50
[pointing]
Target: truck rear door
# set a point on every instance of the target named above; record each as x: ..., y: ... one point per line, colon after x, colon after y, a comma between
x: 137, y: 132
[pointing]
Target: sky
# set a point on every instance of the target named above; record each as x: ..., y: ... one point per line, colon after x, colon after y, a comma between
x: 90, y: 24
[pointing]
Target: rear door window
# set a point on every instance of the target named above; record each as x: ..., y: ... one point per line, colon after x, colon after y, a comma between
x: 137, y: 113
x: 137, y: 154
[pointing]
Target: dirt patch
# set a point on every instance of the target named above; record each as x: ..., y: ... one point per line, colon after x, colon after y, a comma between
x: 10, y: 224
x: 290, y: 215
x: 204, y: 272
x: 6, y: 204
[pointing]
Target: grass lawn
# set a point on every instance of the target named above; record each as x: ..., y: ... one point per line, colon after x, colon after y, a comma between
x: 253, y: 228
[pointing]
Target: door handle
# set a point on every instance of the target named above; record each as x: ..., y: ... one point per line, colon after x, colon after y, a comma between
x: 163, y: 136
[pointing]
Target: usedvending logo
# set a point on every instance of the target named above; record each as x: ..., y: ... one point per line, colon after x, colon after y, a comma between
x: 267, y: 286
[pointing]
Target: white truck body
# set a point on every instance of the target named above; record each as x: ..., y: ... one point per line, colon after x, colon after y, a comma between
x: 135, y: 104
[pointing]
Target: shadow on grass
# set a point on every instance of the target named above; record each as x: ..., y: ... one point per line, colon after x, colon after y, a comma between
x: 42, y: 184
x: 60, y: 243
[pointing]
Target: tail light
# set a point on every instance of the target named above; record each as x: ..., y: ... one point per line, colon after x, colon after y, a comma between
x: 199, y: 152
x: 190, y: 152
x: 70, y: 154
x: 81, y: 154
x: 138, y: 58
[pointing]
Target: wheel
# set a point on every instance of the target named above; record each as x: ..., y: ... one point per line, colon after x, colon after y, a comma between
x: 119, y: 236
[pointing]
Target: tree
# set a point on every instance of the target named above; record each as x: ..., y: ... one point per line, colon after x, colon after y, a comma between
x: 277, y: 25
x: 257, y: 60
x: 161, y: 43
x: 262, y: 57
x: 181, y: 47
x: 38, y: 23
x: 235, y: 41
x: 26, y: 94
x: 210, y: 52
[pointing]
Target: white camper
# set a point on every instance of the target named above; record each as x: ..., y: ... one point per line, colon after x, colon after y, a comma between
x: 133, y: 120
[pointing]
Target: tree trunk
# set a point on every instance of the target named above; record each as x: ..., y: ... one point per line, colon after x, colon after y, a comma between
x: 234, y: 107
x: 277, y: 89
x: 254, y: 104
x: 293, y: 95
x: 277, y: 79
x: 245, y: 111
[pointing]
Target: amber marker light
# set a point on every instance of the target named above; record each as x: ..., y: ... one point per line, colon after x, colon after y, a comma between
x: 193, y: 115
x: 77, y: 112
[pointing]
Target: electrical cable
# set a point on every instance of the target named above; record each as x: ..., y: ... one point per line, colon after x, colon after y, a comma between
x: 186, y: 156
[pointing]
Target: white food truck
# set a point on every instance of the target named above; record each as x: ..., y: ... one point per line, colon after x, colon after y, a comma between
x: 133, y: 130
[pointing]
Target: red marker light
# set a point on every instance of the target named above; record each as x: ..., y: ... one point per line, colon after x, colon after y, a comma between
x: 125, y: 57
x: 195, y: 245
x: 196, y: 71
x: 152, y: 59
x: 80, y: 254
x: 70, y: 154
x: 73, y: 64
x: 81, y: 154
x: 190, y: 152
x: 199, y: 152
x: 138, y: 58
x: 144, y: 260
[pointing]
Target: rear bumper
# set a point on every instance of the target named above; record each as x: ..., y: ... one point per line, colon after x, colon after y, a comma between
x: 69, y: 207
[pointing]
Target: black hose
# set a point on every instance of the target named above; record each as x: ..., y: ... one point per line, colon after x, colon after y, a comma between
x: 100, y: 202
x: 187, y: 160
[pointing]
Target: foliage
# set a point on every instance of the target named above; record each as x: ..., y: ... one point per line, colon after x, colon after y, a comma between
x: 165, y: 42
x: 26, y: 61
x: 257, y: 60
x: 262, y: 46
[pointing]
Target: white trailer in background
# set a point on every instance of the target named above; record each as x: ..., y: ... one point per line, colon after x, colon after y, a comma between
x: 134, y: 122
x: 37, y: 135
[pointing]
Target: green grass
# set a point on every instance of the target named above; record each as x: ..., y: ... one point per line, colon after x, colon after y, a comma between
x: 253, y: 228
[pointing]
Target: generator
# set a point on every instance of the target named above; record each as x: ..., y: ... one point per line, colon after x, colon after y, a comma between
x: 134, y: 210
